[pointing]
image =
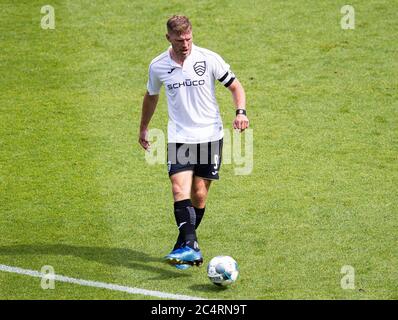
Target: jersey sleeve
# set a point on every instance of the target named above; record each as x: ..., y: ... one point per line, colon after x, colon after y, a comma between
x: 154, y: 84
x: 222, y: 71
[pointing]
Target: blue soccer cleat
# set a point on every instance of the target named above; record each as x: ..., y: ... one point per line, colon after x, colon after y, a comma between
x: 184, y: 256
x: 182, y: 266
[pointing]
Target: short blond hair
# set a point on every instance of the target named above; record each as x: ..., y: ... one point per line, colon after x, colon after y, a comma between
x: 178, y: 25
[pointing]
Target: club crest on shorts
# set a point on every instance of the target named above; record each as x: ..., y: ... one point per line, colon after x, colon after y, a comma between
x: 168, y: 166
x: 200, y: 68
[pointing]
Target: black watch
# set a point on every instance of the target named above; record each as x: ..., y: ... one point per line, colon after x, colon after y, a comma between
x: 240, y: 111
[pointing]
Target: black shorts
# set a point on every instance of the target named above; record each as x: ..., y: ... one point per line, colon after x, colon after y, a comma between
x: 204, y: 159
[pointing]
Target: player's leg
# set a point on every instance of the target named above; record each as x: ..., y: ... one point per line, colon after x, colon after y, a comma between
x: 180, y: 174
x: 199, y: 192
x: 183, y: 210
x: 204, y: 174
x: 186, y: 249
x: 181, y: 183
x: 181, y: 187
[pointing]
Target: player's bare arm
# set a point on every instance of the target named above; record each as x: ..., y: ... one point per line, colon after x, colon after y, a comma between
x: 148, y: 109
x: 241, y: 121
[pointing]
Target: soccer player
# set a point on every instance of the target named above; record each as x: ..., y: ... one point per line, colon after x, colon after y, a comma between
x: 195, y: 129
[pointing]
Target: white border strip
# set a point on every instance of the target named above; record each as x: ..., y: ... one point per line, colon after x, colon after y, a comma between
x: 95, y: 284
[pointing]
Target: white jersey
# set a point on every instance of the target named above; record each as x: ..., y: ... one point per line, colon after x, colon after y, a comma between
x: 194, y: 115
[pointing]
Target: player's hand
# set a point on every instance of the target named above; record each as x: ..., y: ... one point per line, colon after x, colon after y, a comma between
x: 241, y: 122
x: 143, y: 139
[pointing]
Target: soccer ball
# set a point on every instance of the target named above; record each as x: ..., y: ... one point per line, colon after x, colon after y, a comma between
x: 222, y: 270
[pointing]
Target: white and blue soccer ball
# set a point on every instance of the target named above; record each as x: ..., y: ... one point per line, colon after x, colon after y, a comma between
x: 222, y: 270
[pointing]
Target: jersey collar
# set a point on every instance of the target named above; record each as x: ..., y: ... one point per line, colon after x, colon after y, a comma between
x: 175, y: 64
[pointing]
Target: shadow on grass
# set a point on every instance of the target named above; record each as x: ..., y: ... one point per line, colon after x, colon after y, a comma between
x: 208, y: 288
x: 116, y: 257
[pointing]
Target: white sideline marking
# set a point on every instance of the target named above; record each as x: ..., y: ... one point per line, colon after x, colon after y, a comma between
x: 103, y: 285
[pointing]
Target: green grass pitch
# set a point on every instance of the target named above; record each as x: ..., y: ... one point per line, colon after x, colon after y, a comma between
x: 76, y: 192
